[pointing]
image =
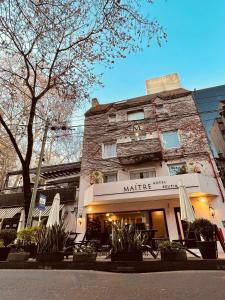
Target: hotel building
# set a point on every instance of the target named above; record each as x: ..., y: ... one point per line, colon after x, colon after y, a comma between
x: 134, y: 154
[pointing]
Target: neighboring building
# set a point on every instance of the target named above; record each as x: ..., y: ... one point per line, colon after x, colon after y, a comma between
x: 218, y: 131
x: 137, y: 147
x: 220, y: 162
x: 207, y: 101
x: 63, y: 179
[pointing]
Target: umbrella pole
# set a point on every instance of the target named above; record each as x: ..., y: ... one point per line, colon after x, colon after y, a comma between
x: 181, y: 227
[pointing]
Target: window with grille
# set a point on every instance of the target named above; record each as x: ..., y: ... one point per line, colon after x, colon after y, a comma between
x: 110, y: 177
x: 142, y: 174
x: 109, y: 150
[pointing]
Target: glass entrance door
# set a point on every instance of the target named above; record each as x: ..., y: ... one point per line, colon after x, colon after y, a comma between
x: 158, y: 222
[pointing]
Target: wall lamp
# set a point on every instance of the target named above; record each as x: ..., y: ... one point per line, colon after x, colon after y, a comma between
x: 212, y: 211
x: 80, y: 219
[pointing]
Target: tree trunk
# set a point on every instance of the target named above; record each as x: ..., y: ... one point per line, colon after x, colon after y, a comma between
x: 27, y: 191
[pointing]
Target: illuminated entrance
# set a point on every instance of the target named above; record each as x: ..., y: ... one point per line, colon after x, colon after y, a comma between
x: 99, y: 226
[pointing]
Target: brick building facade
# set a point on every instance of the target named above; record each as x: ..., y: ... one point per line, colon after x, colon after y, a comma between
x: 141, y: 148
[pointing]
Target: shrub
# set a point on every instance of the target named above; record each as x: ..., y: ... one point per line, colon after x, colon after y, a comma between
x: 51, y: 239
x: 170, y: 246
x: 28, y: 236
x: 8, y: 236
x: 1, y: 244
x: 204, y: 228
x: 86, y: 249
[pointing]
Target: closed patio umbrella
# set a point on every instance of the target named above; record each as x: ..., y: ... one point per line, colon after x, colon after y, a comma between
x: 186, y: 209
x: 54, y: 212
x: 21, y: 224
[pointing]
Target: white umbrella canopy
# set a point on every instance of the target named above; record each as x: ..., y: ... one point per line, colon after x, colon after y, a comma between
x: 54, y: 212
x: 21, y: 224
x: 186, y: 209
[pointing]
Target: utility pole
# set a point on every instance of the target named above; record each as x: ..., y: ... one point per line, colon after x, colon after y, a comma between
x: 34, y: 192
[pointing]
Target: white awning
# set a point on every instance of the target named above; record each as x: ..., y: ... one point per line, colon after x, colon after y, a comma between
x: 8, y: 213
x: 45, y: 213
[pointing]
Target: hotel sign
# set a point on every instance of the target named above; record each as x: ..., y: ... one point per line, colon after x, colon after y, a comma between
x: 151, y: 186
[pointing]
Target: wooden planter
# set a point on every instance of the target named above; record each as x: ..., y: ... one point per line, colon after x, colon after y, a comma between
x: 208, y: 249
x: 126, y: 256
x: 84, y: 257
x: 18, y: 256
x: 173, y: 255
x: 4, y: 251
x: 50, y: 257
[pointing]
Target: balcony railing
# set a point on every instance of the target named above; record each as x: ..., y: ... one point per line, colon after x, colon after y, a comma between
x: 139, y: 151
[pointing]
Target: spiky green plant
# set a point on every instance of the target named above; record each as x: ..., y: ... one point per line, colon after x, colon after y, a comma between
x: 51, y: 239
x: 125, y: 238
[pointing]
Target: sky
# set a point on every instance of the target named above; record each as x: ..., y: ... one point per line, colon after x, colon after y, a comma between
x: 195, y: 49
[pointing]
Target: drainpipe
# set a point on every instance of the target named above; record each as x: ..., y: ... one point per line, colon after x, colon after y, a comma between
x: 157, y: 128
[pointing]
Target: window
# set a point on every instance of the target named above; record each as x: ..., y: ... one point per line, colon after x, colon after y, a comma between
x: 175, y: 168
x: 170, y: 139
x: 160, y: 109
x: 135, y: 115
x: 142, y: 174
x: 110, y: 178
x: 109, y: 150
x: 112, y: 118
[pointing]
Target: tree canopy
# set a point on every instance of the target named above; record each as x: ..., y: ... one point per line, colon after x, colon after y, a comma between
x: 49, y: 50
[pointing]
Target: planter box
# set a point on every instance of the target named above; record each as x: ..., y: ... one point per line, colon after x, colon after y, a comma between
x: 18, y: 256
x: 50, y: 257
x: 126, y: 256
x: 32, y: 249
x: 84, y: 257
x: 173, y: 255
x: 208, y: 249
x: 4, y: 253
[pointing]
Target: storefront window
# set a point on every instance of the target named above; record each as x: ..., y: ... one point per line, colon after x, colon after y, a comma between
x: 99, y: 226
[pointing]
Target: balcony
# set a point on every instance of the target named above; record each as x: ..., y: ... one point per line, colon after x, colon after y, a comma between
x: 157, y: 188
x: 139, y: 151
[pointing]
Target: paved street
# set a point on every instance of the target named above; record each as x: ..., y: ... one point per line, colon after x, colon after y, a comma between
x: 82, y: 285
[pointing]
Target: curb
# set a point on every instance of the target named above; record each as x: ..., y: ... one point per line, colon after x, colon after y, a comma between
x: 121, y: 267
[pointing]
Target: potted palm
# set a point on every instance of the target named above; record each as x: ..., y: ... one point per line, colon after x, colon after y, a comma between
x: 51, y: 242
x: 85, y: 253
x: 126, y: 243
x: 7, y: 237
x: 205, y: 229
x: 172, y: 251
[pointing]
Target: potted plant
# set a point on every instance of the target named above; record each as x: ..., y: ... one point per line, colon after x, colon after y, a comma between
x: 7, y: 237
x: 126, y: 243
x: 172, y: 251
x: 205, y: 229
x: 18, y: 254
x: 182, y: 170
x: 85, y: 253
x: 51, y: 242
x: 96, y: 177
x: 27, y: 239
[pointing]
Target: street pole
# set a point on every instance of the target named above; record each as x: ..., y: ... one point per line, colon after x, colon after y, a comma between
x: 34, y: 192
